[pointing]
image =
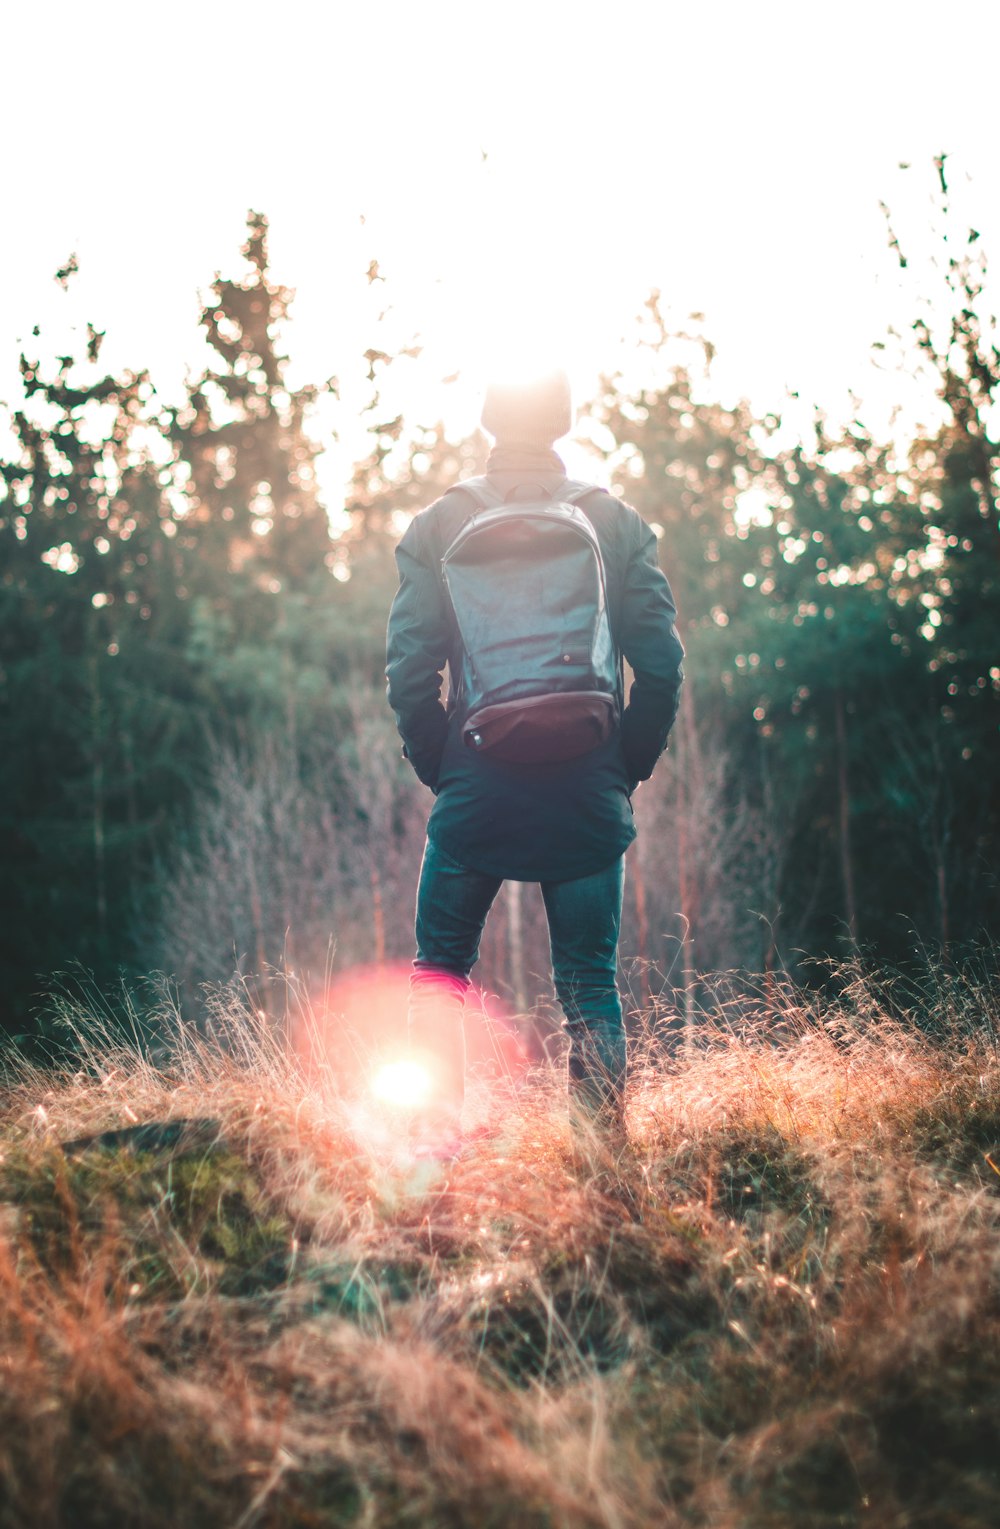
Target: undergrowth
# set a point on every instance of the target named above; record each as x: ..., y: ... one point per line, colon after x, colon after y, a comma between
x: 777, y: 1305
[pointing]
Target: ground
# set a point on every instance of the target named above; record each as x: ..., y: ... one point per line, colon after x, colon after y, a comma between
x: 778, y: 1304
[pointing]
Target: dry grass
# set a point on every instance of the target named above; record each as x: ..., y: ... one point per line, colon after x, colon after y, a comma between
x: 779, y: 1306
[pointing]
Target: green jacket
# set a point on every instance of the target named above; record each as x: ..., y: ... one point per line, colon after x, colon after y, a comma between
x: 551, y: 822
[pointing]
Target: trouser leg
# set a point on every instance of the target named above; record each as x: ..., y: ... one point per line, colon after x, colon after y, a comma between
x: 584, y: 924
x: 452, y: 904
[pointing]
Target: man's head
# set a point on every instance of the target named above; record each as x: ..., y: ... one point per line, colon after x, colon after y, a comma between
x: 534, y: 413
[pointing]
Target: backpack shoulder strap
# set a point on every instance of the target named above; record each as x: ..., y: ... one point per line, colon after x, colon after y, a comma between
x: 480, y: 491
x: 485, y: 495
x: 573, y: 491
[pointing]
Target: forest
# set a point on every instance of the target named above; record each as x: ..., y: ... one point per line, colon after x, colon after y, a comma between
x: 230, y: 1291
x: 201, y: 777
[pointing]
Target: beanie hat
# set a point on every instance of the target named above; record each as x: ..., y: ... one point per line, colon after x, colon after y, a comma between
x: 535, y: 413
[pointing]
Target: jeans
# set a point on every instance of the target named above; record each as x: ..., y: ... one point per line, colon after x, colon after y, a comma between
x: 584, y: 919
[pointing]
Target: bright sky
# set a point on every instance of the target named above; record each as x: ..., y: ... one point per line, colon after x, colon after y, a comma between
x: 516, y: 168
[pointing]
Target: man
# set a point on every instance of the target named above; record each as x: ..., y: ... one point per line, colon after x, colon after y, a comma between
x: 565, y: 824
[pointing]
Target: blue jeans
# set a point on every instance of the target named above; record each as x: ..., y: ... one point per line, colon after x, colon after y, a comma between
x: 584, y: 919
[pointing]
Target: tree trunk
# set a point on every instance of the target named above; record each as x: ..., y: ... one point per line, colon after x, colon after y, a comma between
x: 686, y: 761
x: 378, y: 920
x: 257, y: 915
x: 97, y: 801
x: 513, y: 891
x: 641, y: 926
x: 844, y: 819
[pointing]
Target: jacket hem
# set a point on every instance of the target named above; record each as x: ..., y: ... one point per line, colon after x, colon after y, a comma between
x: 526, y: 871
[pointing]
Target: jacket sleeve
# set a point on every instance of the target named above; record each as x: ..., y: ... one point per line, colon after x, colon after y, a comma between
x: 650, y: 643
x: 419, y: 639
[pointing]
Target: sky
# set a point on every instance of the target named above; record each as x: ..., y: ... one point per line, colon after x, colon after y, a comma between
x: 524, y: 174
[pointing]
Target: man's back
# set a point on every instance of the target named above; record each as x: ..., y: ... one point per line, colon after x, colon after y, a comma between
x: 533, y: 822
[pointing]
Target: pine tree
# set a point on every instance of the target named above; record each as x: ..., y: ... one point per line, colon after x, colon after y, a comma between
x: 946, y: 583
x: 93, y: 709
x: 255, y: 532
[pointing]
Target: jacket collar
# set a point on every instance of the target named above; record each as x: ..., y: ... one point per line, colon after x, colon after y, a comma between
x: 517, y: 457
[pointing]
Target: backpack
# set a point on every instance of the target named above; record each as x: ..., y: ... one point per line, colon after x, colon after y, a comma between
x: 540, y: 676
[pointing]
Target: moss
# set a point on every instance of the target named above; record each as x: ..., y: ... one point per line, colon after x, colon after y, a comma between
x: 960, y: 1135
x: 760, y: 1172
x: 325, y: 1495
x: 662, y: 1287
x: 532, y: 1333
x: 362, y: 1291
x: 159, y: 1225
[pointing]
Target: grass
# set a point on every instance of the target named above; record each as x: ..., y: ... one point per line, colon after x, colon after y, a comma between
x: 779, y: 1305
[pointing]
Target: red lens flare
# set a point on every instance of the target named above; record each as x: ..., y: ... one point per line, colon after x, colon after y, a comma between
x: 355, y: 1036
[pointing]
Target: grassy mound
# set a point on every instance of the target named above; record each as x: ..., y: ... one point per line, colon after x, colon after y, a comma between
x: 224, y: 1300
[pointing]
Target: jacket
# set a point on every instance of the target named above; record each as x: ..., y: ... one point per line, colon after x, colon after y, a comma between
x: 546, y: 822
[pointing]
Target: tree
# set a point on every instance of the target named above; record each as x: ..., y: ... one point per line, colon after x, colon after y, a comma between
x: 687, y: 462
x: 947, y: 582
x: 684, y: 461
x: 256, y: 536
x: 94, y: 709
x: 815, y: 667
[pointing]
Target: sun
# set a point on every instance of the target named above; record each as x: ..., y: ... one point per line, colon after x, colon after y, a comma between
x: 404, y: 1084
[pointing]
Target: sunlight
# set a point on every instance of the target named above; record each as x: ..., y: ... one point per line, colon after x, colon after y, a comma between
x: 404, y: 1084
x: 358, y: 1028
x: 519, y: 354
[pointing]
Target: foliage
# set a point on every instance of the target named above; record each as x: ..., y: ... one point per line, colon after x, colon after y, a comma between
x: 256, y: 536
x: 279, y: 873
x: 839, y: 608
x: 97, y: 706
x: 140, y: 618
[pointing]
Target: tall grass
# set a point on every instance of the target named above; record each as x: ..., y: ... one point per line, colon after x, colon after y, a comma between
x: 778, y: 1304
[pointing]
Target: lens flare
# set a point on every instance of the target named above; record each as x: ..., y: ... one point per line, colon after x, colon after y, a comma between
x: 405, y: 1084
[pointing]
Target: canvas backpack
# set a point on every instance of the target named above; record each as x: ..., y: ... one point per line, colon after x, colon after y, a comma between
x: 540, y: 676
